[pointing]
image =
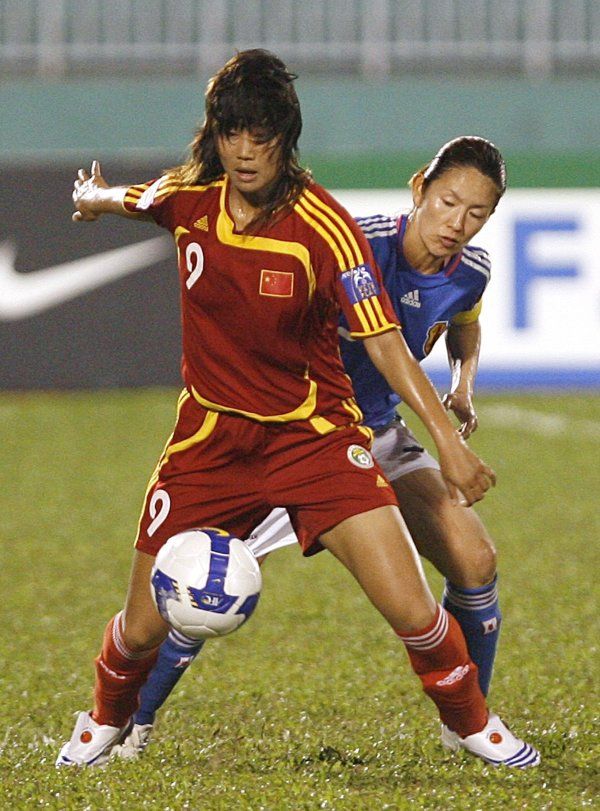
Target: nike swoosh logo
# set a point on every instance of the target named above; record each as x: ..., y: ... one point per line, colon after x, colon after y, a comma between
x: 25, y: 294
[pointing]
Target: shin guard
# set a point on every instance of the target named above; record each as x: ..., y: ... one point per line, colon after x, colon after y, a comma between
x: 439, y: 657
x: 176, y: 654
x: 119, y: 675
x: 478, y: 613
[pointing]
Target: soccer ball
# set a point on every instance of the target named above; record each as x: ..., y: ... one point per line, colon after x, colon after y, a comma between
x: 205, y: 582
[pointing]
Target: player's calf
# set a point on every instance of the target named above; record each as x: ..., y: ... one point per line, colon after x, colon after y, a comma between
x: 439, y: 656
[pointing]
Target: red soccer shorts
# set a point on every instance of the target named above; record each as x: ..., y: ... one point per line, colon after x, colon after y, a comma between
x: 227, y: 471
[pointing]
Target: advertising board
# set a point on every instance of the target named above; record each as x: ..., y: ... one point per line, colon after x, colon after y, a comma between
x: 94, y: 305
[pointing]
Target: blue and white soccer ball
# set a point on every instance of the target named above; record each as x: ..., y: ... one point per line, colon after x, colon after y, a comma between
x: 205, y: 582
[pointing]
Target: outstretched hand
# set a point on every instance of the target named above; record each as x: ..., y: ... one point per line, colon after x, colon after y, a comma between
x: 467, y: 477
x: 85, y: 194
x: 462, y: 405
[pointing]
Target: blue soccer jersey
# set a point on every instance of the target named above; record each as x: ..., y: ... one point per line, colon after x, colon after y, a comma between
x: 425, y: 305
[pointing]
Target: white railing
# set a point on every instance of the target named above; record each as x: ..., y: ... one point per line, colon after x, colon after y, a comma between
x: 336, y: 37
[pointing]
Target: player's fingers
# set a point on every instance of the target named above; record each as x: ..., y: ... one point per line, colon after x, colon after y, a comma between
x: 447, y: 401
x: 479, y: 485
x: 474, y: 493
x: 467, y: 428
x: 490, y: 474
x: 96, y: 168
x: 82, y: 175
x: 76, y: 216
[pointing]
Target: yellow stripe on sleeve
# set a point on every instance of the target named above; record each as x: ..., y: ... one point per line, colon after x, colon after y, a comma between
x: 379, y: 310
x: 333, y: 229
x: 369, y: 333
x: 468, y: 316
x: 320, y: 230
x: 344, y: 227
x: 363, y: 320
x: 371, y: 315
x: 168, y: 187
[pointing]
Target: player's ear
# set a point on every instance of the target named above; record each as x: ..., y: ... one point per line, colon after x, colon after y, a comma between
x: 416, y: 186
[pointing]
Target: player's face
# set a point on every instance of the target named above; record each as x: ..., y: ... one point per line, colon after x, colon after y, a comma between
x: 452, y: 209
x: 251, y: 162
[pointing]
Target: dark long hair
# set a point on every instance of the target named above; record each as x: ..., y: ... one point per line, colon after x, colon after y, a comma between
x: 468, y: 150
x: 254, y: 91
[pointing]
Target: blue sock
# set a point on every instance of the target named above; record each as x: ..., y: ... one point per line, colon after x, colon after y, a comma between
x: 176, y: 654
x: 478, y: 614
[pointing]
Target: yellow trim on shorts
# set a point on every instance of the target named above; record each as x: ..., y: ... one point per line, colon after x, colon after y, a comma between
x: 323, y: 426
x: 368, y: 432
x: 208, y: 426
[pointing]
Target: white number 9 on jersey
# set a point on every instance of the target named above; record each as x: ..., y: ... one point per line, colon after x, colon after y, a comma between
x: 194, y: 262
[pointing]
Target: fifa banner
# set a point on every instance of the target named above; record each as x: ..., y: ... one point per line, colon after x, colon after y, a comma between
x: 85, y: 305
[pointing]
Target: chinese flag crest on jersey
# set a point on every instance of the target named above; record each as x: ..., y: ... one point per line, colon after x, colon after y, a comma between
x: 276, y: 283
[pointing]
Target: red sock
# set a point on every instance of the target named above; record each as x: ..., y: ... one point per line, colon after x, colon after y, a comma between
x: 439, y: 657
x: 119, y: 675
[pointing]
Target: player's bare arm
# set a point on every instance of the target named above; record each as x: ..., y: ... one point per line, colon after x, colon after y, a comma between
x: 92, y: 196
x: 462, y: 469
x: 463, y: 342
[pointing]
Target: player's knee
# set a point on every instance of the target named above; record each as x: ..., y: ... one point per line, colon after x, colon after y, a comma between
x: 479, y: 568
x: 143, y: 634
x: 486, y: 564
x: 415, y: 620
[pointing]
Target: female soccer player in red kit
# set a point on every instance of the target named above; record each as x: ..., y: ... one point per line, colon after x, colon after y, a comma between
x: 267, y: 258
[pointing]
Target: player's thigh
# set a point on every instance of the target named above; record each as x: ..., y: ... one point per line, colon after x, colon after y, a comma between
x: 209, y: 475
x: 451, y: 536
x: 143, y: 627
x: 376, y: 548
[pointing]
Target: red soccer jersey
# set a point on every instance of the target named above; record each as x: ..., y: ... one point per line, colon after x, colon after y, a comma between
x: 260, y: 312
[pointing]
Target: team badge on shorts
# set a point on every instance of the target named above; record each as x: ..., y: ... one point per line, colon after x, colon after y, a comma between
x: 360, y: 456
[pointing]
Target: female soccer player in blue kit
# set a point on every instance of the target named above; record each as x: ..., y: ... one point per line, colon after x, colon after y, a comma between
x: 267, y: 416
x: 435, y: 280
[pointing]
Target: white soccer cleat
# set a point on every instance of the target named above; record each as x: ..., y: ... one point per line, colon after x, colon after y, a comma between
x: 495, y: 744
x: 135, y: 743
x: 91, y: 744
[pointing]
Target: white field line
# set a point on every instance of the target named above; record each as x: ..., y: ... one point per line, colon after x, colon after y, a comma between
x: 538, y: 422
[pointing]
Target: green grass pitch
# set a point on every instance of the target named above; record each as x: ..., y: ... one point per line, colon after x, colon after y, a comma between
x: 312, y: 704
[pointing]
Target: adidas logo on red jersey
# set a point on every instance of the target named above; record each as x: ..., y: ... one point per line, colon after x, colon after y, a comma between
x: 201, y: 224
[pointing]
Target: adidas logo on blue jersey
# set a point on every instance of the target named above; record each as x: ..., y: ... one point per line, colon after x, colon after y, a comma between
x: 412, y: 299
